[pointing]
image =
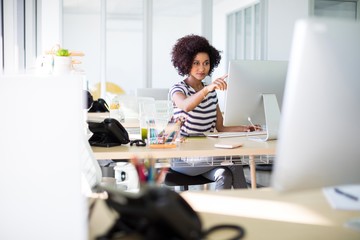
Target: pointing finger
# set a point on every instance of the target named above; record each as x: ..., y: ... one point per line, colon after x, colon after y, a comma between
x: 225, y: 76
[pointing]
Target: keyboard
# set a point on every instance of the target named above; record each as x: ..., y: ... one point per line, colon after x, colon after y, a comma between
x: 235, y: 134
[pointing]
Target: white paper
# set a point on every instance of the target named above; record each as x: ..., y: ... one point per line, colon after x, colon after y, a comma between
x: 340, y: 201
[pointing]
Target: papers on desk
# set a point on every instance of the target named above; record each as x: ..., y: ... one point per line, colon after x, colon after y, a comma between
x: 345, y: 197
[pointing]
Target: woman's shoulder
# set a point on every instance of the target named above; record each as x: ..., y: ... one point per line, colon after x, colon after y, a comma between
x: 179, y: 85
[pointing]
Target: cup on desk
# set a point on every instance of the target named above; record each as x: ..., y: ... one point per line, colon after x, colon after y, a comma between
x: 146, y: 109
x: 159, y: 110
x: 143, y: 127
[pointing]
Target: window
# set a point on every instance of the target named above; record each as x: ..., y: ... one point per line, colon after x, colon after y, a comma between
x: 244, y: 33
x: 1, y: 37
x: 336, y: 9
x: 18, y: 35
x: 139, y: 37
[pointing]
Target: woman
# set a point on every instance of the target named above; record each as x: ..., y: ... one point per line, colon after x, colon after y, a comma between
x: 197, y: 103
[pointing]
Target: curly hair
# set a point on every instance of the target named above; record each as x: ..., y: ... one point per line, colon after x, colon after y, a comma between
x: 185, y: 50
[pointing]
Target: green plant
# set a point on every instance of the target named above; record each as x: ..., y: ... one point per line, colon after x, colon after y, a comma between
x: 63, y: 52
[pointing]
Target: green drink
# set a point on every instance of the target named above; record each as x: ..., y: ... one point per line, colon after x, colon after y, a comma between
x: 144, y: 133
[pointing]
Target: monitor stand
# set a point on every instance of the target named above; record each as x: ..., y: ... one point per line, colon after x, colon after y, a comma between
x: 272, y: 118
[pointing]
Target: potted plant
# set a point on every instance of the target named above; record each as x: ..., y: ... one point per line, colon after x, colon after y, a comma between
x: 62, y: 61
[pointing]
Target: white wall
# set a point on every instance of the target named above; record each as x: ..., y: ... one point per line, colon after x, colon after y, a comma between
x: 51, y: 24
x: 280, y: 24
x: 280, y: 19
x: 164, y: 37
x: 125, y: 54
x: 82, y: 33
x: 220, y: 12
x: 125, y: 49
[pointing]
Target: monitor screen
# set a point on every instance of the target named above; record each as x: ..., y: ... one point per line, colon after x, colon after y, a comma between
x: 248, y: 81
x: 319, y: 133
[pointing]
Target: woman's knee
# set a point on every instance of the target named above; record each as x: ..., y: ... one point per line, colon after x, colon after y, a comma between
x: 223, y: 177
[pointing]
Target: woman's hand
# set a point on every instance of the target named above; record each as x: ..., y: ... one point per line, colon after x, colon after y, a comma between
x: 252, y: 128
x: 218, y: 84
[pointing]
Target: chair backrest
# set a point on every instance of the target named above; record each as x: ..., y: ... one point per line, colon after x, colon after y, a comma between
x: 156, y: 93
x: 130, y: 105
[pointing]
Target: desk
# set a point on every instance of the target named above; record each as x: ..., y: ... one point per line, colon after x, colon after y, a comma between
x: 263, y: 213
x: 193, y: 147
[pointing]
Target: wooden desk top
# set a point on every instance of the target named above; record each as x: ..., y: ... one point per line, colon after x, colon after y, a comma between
x: 267, y: 214
x: 264, y: 214
x: 192, y: 147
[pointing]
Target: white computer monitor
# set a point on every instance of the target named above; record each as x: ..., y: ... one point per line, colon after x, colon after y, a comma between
x: 41, y: 127
x: 255, y: 90
x: 318, y: 142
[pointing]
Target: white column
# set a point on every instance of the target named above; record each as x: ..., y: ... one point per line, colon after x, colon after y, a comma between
x: 51, y: 24
x: 13, y: 36
x: 103, y: 49
x: 147, y: 44
x: 206, y: 19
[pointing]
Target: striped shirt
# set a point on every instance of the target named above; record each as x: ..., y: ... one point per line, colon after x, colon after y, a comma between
x: 200, y: 119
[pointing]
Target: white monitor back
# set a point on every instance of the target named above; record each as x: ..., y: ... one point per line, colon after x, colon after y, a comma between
x: 319, y: 134
x: 255, y: 90
x: 247, y: 81
x: 40, y: 134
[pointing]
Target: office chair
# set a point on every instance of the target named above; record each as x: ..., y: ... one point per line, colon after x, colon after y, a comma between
x: 174, y: 178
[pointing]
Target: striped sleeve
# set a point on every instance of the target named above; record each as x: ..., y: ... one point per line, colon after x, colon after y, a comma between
x: 200, y: 119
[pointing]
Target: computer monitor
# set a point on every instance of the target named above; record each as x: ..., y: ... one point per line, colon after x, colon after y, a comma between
x: 40, y: 176
x: 318, y: 142
x: 255, y: 91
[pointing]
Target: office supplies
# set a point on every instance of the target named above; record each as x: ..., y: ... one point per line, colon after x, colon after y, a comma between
x: 159, y: 146
x: 322, y: 93
x: 255, y: 90
x: 346, y: 194
x: 343, y: 197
